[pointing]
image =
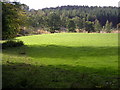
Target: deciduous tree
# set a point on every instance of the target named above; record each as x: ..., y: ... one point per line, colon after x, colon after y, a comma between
x: 12, y: 19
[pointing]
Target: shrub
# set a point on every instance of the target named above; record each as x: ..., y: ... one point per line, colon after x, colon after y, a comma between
x: 11, y: 43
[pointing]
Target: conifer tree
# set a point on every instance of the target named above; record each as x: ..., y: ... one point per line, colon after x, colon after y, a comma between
x: 108, y: 26
x: 97, y: 26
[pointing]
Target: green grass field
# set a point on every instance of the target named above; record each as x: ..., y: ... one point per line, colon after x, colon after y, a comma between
x: 66, y: 60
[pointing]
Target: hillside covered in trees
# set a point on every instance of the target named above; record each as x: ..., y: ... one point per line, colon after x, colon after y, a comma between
x: 64, y: 18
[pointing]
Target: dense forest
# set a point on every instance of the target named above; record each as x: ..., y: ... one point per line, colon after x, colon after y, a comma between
x: 64, y: 18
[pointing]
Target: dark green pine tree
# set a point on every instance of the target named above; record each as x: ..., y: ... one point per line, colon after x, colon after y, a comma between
x: 71, y: 26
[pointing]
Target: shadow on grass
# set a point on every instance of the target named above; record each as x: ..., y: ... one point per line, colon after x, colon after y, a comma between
x: 21, y: 75
x: 56, y: 51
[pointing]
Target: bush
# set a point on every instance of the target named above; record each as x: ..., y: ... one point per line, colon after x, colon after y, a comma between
x: 11, y: 43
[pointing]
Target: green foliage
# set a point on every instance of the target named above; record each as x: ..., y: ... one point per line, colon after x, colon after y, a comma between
x: 79, y: 23
x: 56, y: 18
x: 89, y: 13
x: 97, y: 26
x: 9, y: 28
x: 71, y: 26
x: 89, y: 26
x: 11, y: 43
x: 118, y: 26
x: 16, y: 16
x: 36, y: 20
x: 54, y: 22
x: 108, y: 26
x: 12, y: 18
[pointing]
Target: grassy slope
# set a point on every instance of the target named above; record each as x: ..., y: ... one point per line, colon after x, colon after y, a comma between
x: 63, y: 60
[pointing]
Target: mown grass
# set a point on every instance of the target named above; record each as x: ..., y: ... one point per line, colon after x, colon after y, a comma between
x: 69, y: 60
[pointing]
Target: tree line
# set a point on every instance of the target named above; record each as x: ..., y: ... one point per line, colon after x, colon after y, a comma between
x: 17, y: 17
